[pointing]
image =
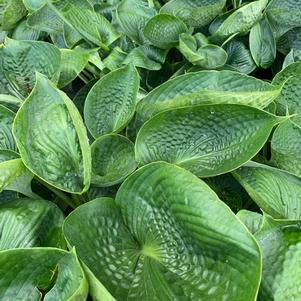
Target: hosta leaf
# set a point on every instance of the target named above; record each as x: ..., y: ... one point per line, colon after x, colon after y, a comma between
x: 113, y: 159
x: 290, y: 40
x: 23, y: 32
x: 241, y: 20
x: 11, y: 102
x: 206, y: 87
x: 7, y: 196
x: 111, y: 103
x: 91, y: 25
x: 34, y: 4
x: 262, y: 44
x: 208, y: 140
x: 286, y: 147
x: 195, y: 13
x: 52, y: 139
x: 115, y: 59
x: 72, y: 63
x: 43, y: 273
x: 281, y: 251
x: 252, y: 220
x: 26, y: 223
x: 163, y: 30
x: 275, y: 191
x: 166, y: 221
x: 20, y: 60
x: 12, y: 14
x: 132, y: 16
x: 7, y: 140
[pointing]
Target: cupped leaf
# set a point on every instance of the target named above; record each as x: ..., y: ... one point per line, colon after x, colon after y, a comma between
x: 113, y: 159
x: 52, y: 139
x: 208, y: 140
x: 26, y: 223
x: 206, y: 87
x: 19, y: 62
x: 111, y: 103
x: 163, y: 30
x: 7, y: 140
x: 42, y: 273
x: 286, y: 147
x: 195, y: 13
x: 262, y: 44
x: 275, y: 191
x: 281, y: 250
x: 132, y: 16
x: 252, y: 220
x: 166, y: 221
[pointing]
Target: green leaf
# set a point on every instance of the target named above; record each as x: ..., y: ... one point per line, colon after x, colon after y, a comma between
x: 72, y: 63
x: 12, y: 14
x: 166, y: 221
x: 195, y: 13
x: 163, y: 30
x: 115, y: 59
x: 91, y: 25
x: 275, y: 191
x: 43, y: 273
x: 20, y: 60
x: 10, y: 102
x: 27, y: 223
x: 208, y: 140
x: 262, y: 44
x: 7, y: 140
x: 111, y: 103
x: 132, y: 16
x: 281, y: 249
x: 208, y: 87
x: 23, y: 32
x: 252, y: 220
x: 286, y: 147
x: 290, y: 40
x: 241, y: 20
x: 34, y: 4
x: 57, y: 152
x: 113, y: 159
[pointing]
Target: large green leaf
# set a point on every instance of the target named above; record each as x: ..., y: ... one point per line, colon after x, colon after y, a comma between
x: 113, y: 159
x: 132, y: 16
x: 41, y: 274
x: 166, y: 237
x: 275, y: 191
x: 26, y: 223
x: 195, y: 13
x: 20, y: 60
x: 208, y: 140
x: 286, y: 147
x: 280, y: 242
x: 52, y: 139
x: 111, y: 103
x: 7, y: 140
x: 163, y: 30
x: 206, y: 87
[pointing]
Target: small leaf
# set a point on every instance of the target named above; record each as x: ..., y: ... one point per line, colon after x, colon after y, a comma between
x: 111, y: 103
x: 163, y: 30
x: 165, y: 221
x: 113, y: 159
x: 7, y: 140
x: 52, y: 139
x: 208, y: 140
x: 252, y: 220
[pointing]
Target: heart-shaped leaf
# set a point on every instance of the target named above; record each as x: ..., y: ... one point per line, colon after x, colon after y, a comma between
x: 208, y: 140
x: 166, y: 236
x: 111, y: 103
x: 113, y: 159
x: 7, y: 140
x: 57, y: 152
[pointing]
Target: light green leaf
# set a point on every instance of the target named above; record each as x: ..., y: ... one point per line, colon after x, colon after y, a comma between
x: 208, y: 140
x: 23, y: 32
x: 7, y: 140
x: 241, y: 20
x: 275, y: 191
x: 26, y: 223
x: 195, y: 13
x: 34, y: 4
x: 48, y: 273
x: 132, y: 16
x: 166, y: 221
x: 12, y: 14
x: 111, y: 103
x: 20, y: 60
x: 280, y: 242
x: 115, y: 59
x: 286, y: 147
x: 252, y: 220
x: 10, y: 102
x: 52, y: 139
x: 163, y: 30
x: 206, y: 87
x: 113, y: 159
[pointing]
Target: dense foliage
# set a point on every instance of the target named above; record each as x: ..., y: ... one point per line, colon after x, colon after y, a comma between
x: 150, y: 150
